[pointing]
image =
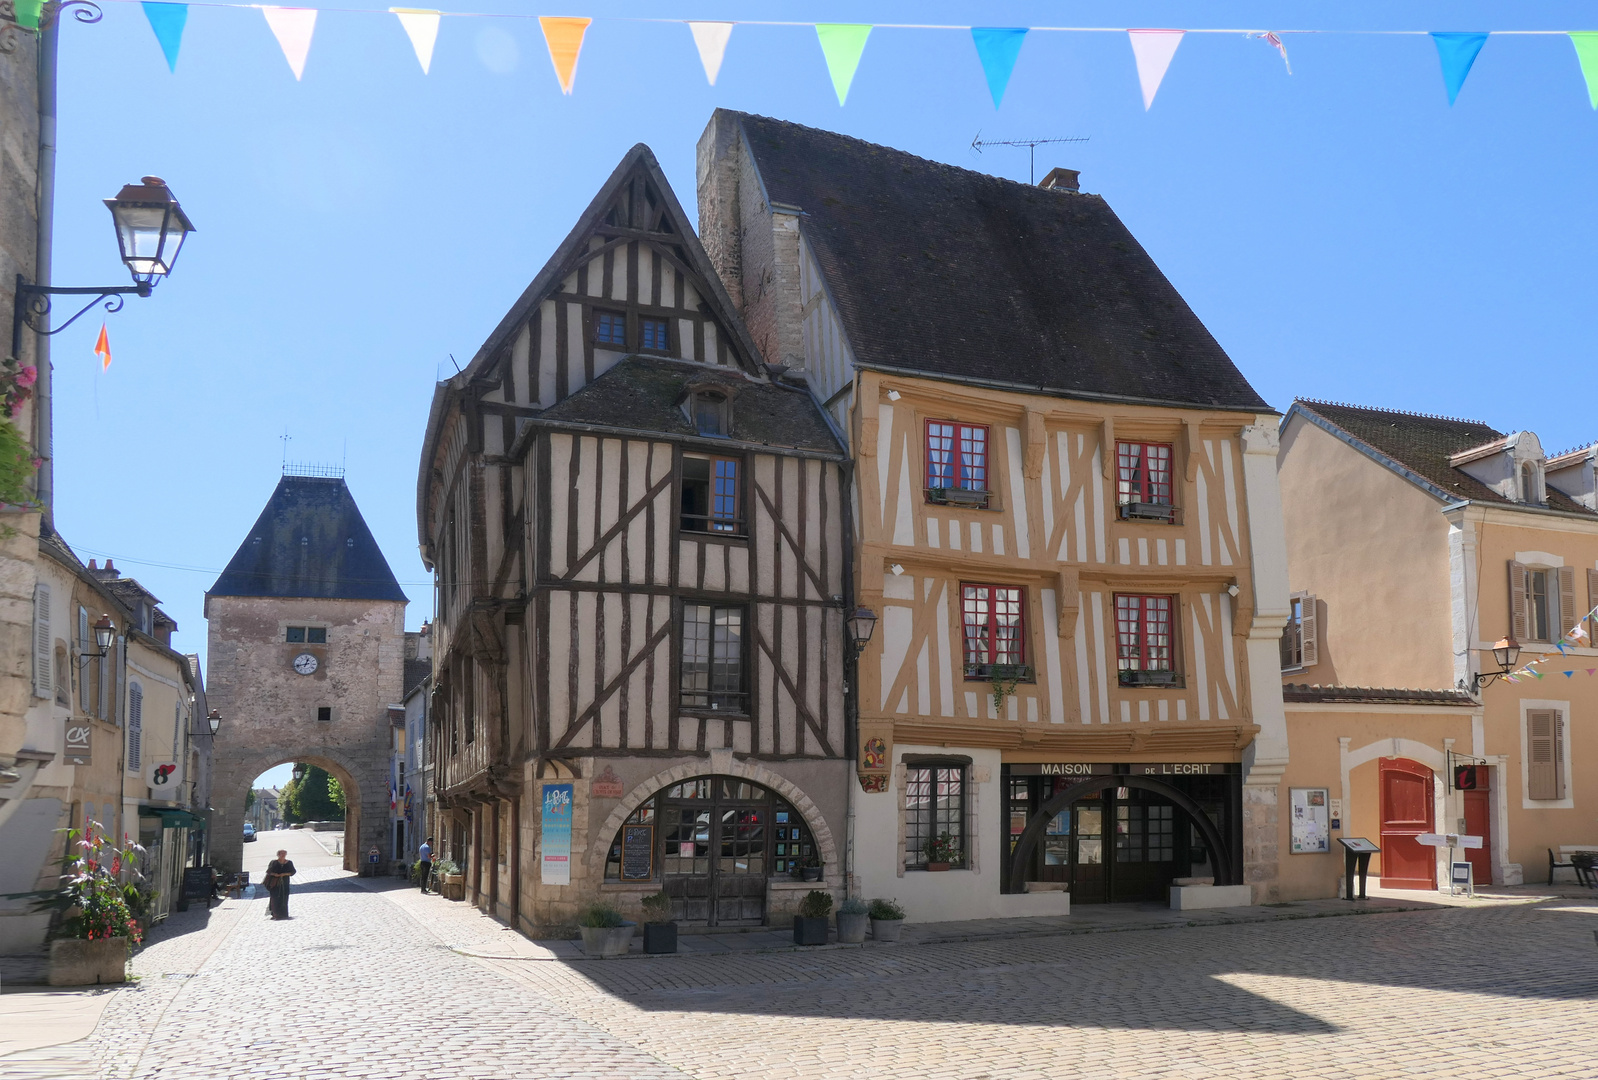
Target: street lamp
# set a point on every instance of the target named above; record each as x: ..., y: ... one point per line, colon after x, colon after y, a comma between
x: 214, y: 719
x: 105, y: 634
x: 1506, y: 651
x: 299, y: 772
x: 151, y: 228
x: 861, y: 624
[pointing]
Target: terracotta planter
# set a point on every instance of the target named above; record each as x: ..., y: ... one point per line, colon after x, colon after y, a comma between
x: 852, y: 928
x: 86, y: 963
x: 886, y: 929
x: 607, y: 941
x: 807, y: 931
x: 660, y: 937
x: 937, y: 866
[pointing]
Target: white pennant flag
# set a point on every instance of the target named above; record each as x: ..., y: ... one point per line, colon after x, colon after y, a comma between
x: 293, y: 28
x: 421, y: 26
x: 711, y: 37
x: 1153, y: 50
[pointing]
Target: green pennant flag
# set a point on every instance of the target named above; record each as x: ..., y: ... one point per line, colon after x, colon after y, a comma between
x: 1586, y: 43
x: 29, y: 12
x: 842, y: 44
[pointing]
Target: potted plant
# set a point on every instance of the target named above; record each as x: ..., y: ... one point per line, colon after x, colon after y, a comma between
x: 810, y: 925
x: 605, y: 932
x: 451, y: 882
x: 887, y: 917
x: 854, y: 919
x: 98, y: 910
x: 941, y: 851
x: 660, y: 930
x: 810, y: 869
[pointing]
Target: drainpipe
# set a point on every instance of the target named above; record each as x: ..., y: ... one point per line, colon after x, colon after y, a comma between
x: 43, y: 408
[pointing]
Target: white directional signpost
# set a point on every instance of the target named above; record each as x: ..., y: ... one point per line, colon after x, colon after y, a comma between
x: 1459, y: 873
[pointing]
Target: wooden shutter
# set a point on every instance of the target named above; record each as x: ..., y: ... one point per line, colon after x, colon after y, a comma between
x: 135, y: 725
x: 1565, y: 617
x: 1559, y: 756
x: 1309, y: 632
x: 1592, y: 602
x: 41, y: 640
x: 1543, y: 734
x: 1517, y: 602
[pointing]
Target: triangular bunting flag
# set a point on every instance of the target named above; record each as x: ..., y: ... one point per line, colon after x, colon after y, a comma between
x: 1568, y: 674
x: 102, y: 349
x: 997, y: 48
x: 167, y: 21
x: 293, y: 28
x: 1534, y: 674
x: 842, y: 44
x: 1586, y: 43
x: 1457, y: 52
x: 711, y: 40
x: 564, y: 36
x: 1591, y: 670
x: 421, y: 26
x: 29, y: 12
x: 1153, y: 50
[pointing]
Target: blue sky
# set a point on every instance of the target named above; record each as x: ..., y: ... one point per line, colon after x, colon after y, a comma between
x: 1343, y: 232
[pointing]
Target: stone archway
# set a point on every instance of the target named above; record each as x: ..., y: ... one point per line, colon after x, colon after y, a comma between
x: 365, y: 820
x: 826, y: 846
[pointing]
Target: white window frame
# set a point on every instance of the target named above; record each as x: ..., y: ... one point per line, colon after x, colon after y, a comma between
x: 1528, y: 705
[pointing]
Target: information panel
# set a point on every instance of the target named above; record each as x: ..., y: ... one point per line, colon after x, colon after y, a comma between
x: 637, y: 852
x: 556, y: 835
x: 1311, y: 831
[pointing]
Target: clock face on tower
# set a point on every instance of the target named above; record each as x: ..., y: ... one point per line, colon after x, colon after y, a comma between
x: 305, y: 664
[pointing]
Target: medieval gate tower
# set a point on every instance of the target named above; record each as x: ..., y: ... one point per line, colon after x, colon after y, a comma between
x: 306, y: 654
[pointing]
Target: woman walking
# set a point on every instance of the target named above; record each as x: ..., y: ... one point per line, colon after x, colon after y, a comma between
x: 278, y: 872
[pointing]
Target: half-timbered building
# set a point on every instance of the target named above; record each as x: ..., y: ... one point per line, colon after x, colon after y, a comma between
x: 639, y: 536
x: 1067, y: 518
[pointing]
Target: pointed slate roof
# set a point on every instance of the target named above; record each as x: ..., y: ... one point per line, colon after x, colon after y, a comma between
x: 960, y: 275
x: 310, y: 541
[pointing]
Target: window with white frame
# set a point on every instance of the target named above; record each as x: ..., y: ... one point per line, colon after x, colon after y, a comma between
x: 1300, y: 644
x: 1545, y: 754
x: 1541, y: 598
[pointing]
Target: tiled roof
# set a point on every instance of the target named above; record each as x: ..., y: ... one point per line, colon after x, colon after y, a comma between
x: 310, y: 541
x: 1423, y: 444
x: 959, y: 274
x: 416, y: 671
x: 1303, y: 692
x: 645, y: 394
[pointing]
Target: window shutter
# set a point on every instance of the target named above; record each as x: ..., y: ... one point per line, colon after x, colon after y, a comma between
x: 41, y: 640
x: 1567, y: 603
x: 135, y: 725
x: 1559, y: 756
x: 1310, y: 629
x: 1542, y: 773
x: 1517, y: 601
x: 1592, y: 602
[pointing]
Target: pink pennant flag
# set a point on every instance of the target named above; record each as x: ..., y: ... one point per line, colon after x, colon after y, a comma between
x: 1153, y: 50
x: 1591, y: 670
x: 293, y: 28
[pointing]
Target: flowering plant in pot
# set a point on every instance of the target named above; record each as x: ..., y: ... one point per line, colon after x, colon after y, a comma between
x: 810, y: 925
x: 660, y: 930
x: 605, y: 933
x: 97, y: 909
x: 941, y: 851
x: 854, y: 919
x: 810, y: 869
x: 887, y: 917
x: 451, y: 882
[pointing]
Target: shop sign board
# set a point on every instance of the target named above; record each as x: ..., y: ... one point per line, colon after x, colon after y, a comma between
x: 555, y: 841
x: 79, y: 750
x: 1085, y: 769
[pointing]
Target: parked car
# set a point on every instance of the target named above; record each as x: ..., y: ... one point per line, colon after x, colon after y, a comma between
x: 249, y: 832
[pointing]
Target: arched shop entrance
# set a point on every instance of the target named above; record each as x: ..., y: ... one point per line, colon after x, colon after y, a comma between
x: 712, y: 843
x: 1123, y: 837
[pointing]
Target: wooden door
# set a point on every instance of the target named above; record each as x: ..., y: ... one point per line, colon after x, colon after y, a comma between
x: 1407, y: 811
x: 1089, y: 874
x: 1478, y: 823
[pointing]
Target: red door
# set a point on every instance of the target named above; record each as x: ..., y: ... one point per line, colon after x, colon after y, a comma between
x: 1406, y: 788
x: 1476, y: 824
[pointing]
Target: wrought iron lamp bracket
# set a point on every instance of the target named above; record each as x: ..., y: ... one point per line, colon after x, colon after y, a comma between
x: 11, y: 31
x: 33, y: 304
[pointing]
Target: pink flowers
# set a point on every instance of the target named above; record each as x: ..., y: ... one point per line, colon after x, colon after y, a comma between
x: 28, y: 376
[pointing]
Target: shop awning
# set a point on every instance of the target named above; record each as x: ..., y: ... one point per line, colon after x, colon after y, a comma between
x: 170, y: 818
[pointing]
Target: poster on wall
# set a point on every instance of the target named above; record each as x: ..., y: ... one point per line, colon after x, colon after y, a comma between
x: 555, y: 835
x: 1311, y: 822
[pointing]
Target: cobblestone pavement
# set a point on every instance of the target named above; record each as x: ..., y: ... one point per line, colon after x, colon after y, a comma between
x: 361, y: 984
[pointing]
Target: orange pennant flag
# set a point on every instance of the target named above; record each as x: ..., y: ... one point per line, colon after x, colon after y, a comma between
x: 102, y: 349
x: 564, y: 36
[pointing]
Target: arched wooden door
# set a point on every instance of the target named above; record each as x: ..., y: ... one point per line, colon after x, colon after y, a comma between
x: 1407, y: 811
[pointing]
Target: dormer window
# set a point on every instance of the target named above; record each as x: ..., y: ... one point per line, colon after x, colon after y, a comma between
x: 710, y: 413
x: 1528, y: 484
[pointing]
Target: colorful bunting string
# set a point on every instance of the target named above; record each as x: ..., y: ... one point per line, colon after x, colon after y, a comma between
x: 1153, y: 51
x: 564, y: 36
x: 102, y: 348
x: 842, y: 44
x: 1586, y: 43
x: 998, y: 48
x: 710, y: 38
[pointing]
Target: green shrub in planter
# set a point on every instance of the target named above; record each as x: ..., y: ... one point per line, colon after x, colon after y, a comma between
x: 605, y: 933
x: 599, y: 916
x: 810, y: 926
x: 887, y: 918
x: 660, y: 931
x: 854, y: 919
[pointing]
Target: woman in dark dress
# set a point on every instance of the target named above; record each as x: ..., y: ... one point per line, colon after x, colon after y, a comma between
x: 278, y: 872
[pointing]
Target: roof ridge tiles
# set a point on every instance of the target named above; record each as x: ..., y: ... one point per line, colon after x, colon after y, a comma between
x: 1391, y: 412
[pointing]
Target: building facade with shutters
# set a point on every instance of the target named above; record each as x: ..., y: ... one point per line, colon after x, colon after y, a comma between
x: 638, y: 530
x: 1066, y: 523
x: 1415, y: 544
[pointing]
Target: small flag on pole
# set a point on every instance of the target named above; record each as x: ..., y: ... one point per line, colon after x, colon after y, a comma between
x: 102, y: 349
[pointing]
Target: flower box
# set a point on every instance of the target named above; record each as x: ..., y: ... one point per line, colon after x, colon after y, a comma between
x: 77, y: 962
x: 852, y: 928
x: 607, y: 941
x: 886, y: 929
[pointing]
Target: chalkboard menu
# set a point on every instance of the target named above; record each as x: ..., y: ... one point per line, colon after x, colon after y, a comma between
x: 637, y: 852
x: 197, y: 882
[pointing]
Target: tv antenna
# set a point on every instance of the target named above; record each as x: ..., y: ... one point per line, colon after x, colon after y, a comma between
x: 1032, y: 145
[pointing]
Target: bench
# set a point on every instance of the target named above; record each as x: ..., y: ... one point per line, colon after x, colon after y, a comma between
x: 1582, y: 863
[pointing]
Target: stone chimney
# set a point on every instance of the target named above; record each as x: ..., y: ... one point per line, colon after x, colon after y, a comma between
x: 1062, y: 180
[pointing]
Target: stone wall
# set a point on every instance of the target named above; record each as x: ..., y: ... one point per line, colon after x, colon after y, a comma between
x: 269, y: 712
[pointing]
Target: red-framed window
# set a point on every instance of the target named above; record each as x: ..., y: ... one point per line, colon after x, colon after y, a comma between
x: 1145, y: 632
x: 1143, y: 473
x: 957, y: 455
x: 994, y: 624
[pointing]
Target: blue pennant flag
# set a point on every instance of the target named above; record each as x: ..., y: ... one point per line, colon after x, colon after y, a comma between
x: 997, y: 48
x: 1457, y: 52
x: 167, y: 21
